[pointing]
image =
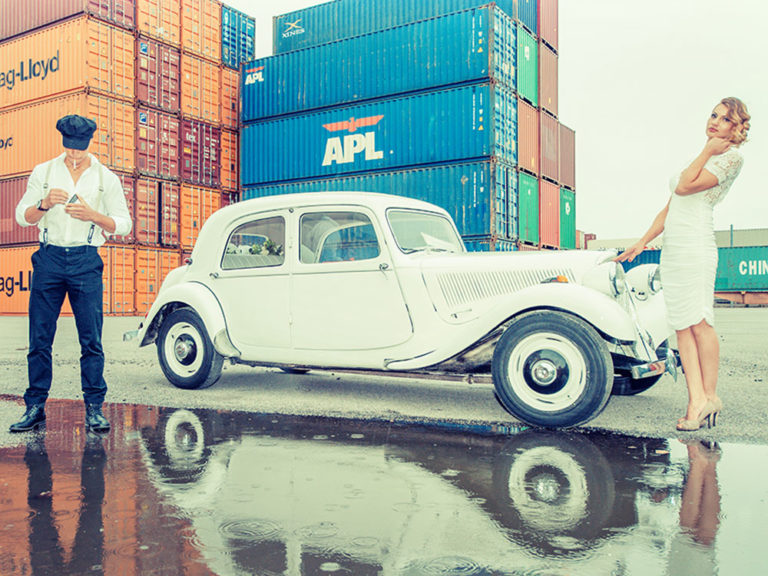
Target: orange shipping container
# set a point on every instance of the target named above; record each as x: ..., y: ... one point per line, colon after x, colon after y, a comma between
x: 549, y: 214
x: 35, y: 138
x: 200, y: 89
x: 567, y: 156
x: 75, y: 55
x: 119, y: 281
x: 229, y: 86
x: 201, y: 28
x: 528, y: 137
x: 197, y: 204
x: 160, y: 19
x: 146, y: 226
x: 152, y: 266
x: 549, y: 147
x: 229, y: 160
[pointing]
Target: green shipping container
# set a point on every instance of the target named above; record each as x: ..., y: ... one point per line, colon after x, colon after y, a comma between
x: 742, y: 269
x: 567, y: 219
x: 528, y: 208
x: 527, y: 67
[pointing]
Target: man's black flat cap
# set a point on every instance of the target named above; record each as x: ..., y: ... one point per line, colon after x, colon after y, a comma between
x: 76, y: 131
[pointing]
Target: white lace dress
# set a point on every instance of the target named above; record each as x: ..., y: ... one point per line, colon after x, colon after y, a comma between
x: 689, y: 252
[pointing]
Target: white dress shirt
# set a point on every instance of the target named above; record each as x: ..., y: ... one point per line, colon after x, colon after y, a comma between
x: 63, y: 230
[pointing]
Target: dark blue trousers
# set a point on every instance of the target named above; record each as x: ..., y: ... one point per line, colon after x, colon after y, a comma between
x: 58, y: 272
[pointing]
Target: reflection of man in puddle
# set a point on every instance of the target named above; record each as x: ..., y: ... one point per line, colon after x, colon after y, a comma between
x: 45, y: 549
x: 693, y: 549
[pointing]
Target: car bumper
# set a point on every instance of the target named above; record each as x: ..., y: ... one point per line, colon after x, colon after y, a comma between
x: 667, y: 364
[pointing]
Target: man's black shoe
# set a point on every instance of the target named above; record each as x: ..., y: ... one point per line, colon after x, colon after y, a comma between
x: 33, y: 417
x: 94, y: 419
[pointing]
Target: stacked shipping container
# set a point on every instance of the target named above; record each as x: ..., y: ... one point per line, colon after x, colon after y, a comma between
x: 160, y: 79
x: 448, y: 101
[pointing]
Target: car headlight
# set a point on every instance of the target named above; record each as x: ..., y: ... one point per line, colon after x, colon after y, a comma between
x: 645, y: 280
x: 607, y: 278
x: 617, y: 278
x: 655, y: 281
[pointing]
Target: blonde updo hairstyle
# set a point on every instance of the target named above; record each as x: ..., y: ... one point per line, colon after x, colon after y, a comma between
x: 737, y: 112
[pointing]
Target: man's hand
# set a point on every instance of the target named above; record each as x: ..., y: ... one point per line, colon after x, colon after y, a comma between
x: 55, y: 196
x: 80, y: 210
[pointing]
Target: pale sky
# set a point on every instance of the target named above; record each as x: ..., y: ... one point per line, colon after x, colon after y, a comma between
x: 637, y: 82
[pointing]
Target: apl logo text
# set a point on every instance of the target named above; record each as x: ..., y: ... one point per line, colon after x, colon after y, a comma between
x: 254, y: 75
x: 29, y: 69
x: 344, y: 150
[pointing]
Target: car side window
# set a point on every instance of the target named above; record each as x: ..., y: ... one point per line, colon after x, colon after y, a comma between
x: 256, y: 244
x: 337, y: 237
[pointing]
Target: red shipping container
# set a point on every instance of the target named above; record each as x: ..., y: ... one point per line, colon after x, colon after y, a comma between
x: 548, y: 85
x: 567, y: 157
x: 228, y: 198
x: 157, y: 143
x: 20, y: 16
x: 549, y: 214
x: 200, y: 153
x: 170, y: 217
x: 550, y: 149
x: 548, y: 22
x: 129, y: 189
x: 11, y: 233
x: 527, y: 137
x: 158, y: 75
x: 146, y: 223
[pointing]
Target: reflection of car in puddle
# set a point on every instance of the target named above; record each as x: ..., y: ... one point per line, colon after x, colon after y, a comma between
x: 286, y: 495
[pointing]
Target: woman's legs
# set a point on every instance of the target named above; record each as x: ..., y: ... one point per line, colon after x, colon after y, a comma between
x: 708, y: 346
x: 700, y: 356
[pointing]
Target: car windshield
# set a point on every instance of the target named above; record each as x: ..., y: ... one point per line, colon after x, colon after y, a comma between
x: 417, y: 231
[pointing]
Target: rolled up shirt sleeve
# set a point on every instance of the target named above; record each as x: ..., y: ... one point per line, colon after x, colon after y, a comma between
x: 117, y: 207
x: 31, y: 197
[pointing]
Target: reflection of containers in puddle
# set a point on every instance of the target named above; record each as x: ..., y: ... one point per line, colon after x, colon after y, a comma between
x: 401, y: 498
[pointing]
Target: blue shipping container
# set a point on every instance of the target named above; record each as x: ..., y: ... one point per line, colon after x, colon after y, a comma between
x: 459, y: 48
x: 460, y: 124
x: 528, y: 14
x: 341, y: 19
x: 480, y: 196
x: 238, y: 37
x: 489, y: 244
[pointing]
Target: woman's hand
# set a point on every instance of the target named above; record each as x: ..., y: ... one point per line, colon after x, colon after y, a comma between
x: 631, y: 253
x: 716, y: 146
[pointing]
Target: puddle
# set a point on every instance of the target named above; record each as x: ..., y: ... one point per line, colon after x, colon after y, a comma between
x: 212, y: 492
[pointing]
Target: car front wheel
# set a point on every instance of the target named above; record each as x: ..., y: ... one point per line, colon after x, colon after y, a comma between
x: 552, y: 369
x: 185, y: 352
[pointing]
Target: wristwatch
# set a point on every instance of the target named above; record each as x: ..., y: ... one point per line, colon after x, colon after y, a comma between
x: 40, y: 206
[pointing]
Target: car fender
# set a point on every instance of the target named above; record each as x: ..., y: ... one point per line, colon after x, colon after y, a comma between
x: 199, y: 298
x: 599, y: 309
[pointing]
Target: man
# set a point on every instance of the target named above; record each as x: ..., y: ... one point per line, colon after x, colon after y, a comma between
x: 72, y: 199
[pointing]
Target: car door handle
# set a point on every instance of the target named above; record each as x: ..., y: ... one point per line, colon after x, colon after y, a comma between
x: 214, y: 275
x: 383, y: 266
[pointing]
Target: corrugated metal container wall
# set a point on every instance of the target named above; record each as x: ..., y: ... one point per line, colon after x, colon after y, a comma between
x: 152, y: 266
x: 230, y: 148
x: 35, y: 138
x: 528, y: 137
x: 229, y: 87
x: 645, y: 257
x: 527, y: 67
x: 528, y: 208
x: 238, y: 37
x: 743, y: 269
x: 549, y: 139
x: 567, y: 219
x: 21, y: 16
x: 333, y: 21
x: 481, y: 197
x: 528, y: 14
x: 119, y: 281
x: 549, y: 214
x: 11, y: 191
x: 490, y: 244
x: 463, y: 47
x: 146, y: 224
x: 160, y: 19
x: 548, y: 84
x: 197, y: 204
x: 228, y: 198
x: 442, y: 126
x: 169, y: 212
x: 157, y: 143
x: 158, y: 75
x: 200, y: 89
x: 16, y: 281
x: 548, y: 22
x: 200, y: 153
x: 71, y: 56
x: 129, y: 189
x: 567, y: 155
x: 201, y: 28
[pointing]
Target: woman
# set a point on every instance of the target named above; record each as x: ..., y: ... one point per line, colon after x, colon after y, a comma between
x: 689, y: 256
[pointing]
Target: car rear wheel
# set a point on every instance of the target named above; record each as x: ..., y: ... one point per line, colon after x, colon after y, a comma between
x: 552, y: 369
x: 185, y: 352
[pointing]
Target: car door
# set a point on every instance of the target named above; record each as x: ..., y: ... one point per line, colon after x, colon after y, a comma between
x: 252, y: 283
x: 344, y: 290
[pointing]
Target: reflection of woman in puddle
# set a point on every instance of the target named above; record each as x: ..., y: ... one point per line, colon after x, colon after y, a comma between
x: 693, y: 549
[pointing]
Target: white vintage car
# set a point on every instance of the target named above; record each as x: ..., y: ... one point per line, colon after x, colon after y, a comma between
x: 379, y: 282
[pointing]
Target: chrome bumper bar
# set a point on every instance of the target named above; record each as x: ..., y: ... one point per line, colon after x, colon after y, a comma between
x: 668, y: 364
